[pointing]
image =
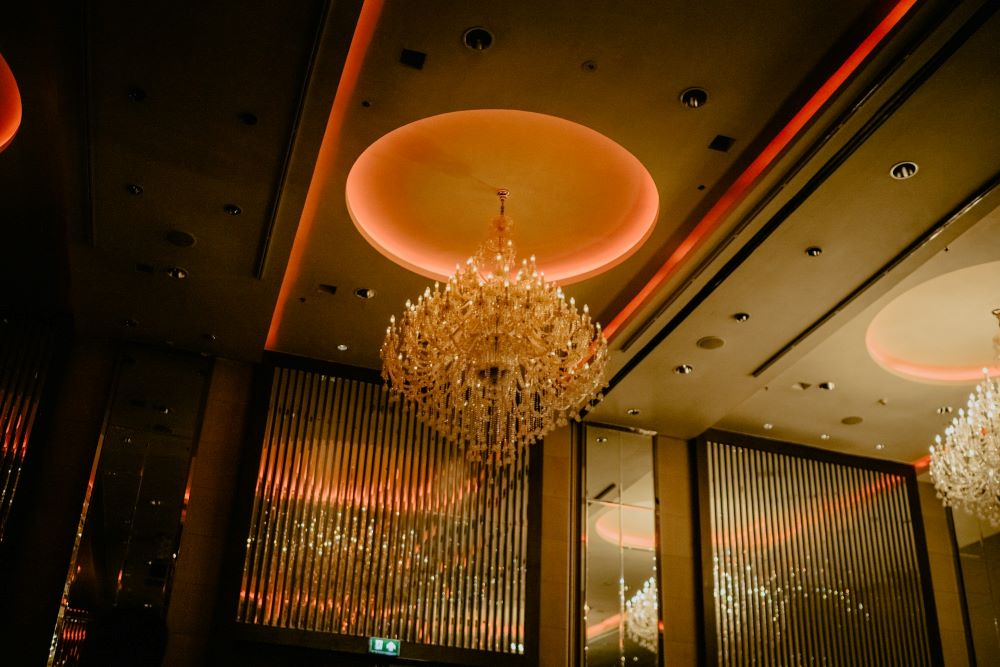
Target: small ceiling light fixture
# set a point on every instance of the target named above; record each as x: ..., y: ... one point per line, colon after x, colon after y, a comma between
x: 883, y: 401
x: 879, y: 446
x: 477, y: 38
x: 741, y: 317
x: 601, y: 439
x: 851, y: 421
x: 965, y: 463
x: 497, y: 357
x: 826, y: 386
x: 945, y: 410
x: 710, y: 343
x: 814, y: 251
x: 824, y: 436
x: 801, y: 386
x: 134, y: 189
x: 694, y: 97
x: 177, y: 272
x: 232, y: 209
x: 768, y: 426
x: 632, y: 412
x: 130, y: 323
x: 364, y: 293
x: 904, y: 170
x: 180, y: 238
x: 684, y: 369
x: 342, y: 347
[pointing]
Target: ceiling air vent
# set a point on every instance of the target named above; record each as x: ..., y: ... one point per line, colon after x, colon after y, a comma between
x: 411, y: 58
x: 721, y: 143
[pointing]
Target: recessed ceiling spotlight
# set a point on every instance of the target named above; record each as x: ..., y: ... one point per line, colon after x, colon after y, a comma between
x: 210, y: 337
x: 694, y: 97
x: 364, y: 293
x: 879, y: 446
x: 801, y: 386
x: 814, y: 251
x: 135, y: 93
x: 684, y: 369
x: 601, y: 439
x: 851, y: 421
x: 741, y: 317
x: 588, y: 66
x: 248, y: 118
x: 134, y: 189
x: 768, y: 426
x: 632, y: 412
x: 945, y: 410
x: 129, y: 323
x: 824, y: 436
x: 180, y: 238
x: 904, y: 170
x: 342, y: 347
x: 477, y: 38
x: 711, y: 343
x: 177, y: 272
x: 883, y: 401
x: 232, y: 209
x: 826, y: 386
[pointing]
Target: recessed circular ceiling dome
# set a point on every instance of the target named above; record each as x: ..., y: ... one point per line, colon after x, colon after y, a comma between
x: 424, y: 194
x: 942, y: 330
x: 10, y: 105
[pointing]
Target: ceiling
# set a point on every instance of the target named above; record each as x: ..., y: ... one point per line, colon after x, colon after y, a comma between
x: 179, y: 177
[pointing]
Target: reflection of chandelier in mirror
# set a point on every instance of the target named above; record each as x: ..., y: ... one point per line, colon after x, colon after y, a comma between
x: 641, y: 617
x: 496, y: 358
x: 965, y: 464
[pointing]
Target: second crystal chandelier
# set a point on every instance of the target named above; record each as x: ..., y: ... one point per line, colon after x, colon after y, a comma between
x: 496, y: 358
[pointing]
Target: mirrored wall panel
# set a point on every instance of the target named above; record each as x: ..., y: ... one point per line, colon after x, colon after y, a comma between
x: 621, y: 591
x: 979, y: 554
x: 813, y: 561
x: 127, y: 543
x: 366, y: 523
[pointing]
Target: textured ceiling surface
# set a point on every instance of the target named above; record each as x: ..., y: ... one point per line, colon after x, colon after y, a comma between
x: 165, y: 172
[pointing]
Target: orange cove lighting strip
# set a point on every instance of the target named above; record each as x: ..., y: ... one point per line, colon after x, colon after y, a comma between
x: 371, y: 11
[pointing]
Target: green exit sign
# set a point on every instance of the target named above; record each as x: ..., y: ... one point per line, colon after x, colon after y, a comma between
x: 383, y: 646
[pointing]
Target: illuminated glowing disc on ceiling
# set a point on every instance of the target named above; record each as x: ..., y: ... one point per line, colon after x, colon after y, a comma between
x: 10, y: 105
x: 423, y: 195
x: 942, y: 330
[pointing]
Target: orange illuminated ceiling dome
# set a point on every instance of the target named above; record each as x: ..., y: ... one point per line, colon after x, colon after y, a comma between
x: 10, y: 105
x: 423, y: 195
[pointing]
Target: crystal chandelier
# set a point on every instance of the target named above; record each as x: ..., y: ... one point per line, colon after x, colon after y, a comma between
x: 641, y: 617
x: 496, y: 358
x: 965, y: 464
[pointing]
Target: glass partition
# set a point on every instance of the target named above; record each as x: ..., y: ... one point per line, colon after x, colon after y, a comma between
x: 979, y: 554
x: 621, y: 591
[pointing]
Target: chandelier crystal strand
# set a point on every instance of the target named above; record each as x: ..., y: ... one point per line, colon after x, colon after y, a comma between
x: 495, y: 358
x: 641, y: 616
x: 965, y: 464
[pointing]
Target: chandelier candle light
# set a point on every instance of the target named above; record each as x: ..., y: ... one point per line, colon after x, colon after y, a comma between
x: 496, y: 358
x: 965, y: 464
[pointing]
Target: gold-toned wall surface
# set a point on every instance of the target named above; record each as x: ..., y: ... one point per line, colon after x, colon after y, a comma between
x: 678, y: 552
x: 812, y: 562
x: 366, y: 523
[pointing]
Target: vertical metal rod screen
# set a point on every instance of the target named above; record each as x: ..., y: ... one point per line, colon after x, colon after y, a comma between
x: 25, y: 350
x: 365, y: 523
x: 813, y: 562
